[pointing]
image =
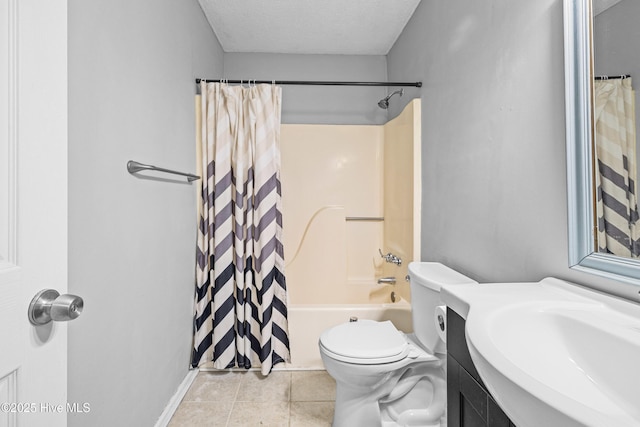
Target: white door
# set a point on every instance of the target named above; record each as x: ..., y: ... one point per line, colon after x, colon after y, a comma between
x: 33, y: 208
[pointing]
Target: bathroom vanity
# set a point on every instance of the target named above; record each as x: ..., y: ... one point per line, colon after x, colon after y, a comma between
x: 469, y: 404
x: 551, y: 353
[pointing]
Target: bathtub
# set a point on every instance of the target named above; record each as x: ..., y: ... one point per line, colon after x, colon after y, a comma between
x: 308, y: 321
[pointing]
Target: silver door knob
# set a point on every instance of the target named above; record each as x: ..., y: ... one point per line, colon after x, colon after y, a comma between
x: 49, y: 305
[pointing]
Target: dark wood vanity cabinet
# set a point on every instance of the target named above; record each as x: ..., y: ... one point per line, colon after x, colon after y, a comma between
x: 469, y: 404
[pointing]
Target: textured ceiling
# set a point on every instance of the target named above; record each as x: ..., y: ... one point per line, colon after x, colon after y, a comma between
x: 354, y: 27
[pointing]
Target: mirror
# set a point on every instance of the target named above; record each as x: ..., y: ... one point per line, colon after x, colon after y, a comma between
x: 587, y: 244
x: 615, y: 40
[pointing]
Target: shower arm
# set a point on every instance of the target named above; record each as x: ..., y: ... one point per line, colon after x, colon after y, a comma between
x: 400, y: 91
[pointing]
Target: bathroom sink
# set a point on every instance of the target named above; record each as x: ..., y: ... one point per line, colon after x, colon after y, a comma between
x: 555, y: 355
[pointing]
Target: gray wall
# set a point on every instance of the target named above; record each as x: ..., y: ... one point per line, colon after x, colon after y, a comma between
x: 131, y: 241
x: 318, y: 104
x: 616, y: 37
x: 494, y: 174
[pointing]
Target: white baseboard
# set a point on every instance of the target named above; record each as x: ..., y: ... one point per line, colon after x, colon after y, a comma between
x: 173, y: 404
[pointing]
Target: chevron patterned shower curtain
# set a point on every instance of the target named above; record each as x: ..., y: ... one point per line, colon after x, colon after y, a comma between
x: 618, y: 230
x: 240, y: 303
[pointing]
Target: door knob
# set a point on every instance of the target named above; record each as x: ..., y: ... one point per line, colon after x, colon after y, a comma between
x: 49, y: 305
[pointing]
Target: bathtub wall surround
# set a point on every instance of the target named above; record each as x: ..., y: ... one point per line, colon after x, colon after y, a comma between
x: 402, y: 192
x: 349, y: 192
x: 330, y: 173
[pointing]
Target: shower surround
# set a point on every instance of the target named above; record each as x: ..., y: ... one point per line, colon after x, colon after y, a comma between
x: 348, y: 192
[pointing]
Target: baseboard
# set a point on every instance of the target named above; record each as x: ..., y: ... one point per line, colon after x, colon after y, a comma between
x: 173, y: 404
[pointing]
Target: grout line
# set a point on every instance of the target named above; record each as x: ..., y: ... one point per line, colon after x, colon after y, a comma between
x: 233, y: 404
x: 235, y: 397
x: 243, y: 377
x: 290, y: 395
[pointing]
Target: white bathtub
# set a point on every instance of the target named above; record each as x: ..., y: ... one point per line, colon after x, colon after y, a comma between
x: 308, y: 321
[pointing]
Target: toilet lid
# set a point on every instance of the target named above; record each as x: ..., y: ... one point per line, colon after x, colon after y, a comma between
x: 366, y: 339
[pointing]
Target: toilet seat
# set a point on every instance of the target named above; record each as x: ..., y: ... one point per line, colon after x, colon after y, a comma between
x: 366, y: 342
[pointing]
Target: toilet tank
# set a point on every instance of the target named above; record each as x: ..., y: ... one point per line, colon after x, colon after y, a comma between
x: 426, y: 279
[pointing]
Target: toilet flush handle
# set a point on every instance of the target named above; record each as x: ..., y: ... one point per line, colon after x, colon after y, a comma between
x: 441, y: 322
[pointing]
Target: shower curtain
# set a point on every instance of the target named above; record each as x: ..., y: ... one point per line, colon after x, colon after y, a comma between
x: 240, y: 304
x: 616, y: 198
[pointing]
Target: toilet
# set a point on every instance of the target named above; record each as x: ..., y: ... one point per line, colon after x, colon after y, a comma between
x: 385, y: 377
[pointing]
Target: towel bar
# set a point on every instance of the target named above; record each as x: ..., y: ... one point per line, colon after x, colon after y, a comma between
x: 133, y: 167
x: 364, y: 218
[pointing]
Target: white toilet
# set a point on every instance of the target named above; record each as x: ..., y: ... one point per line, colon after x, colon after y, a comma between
x: 385, y: 377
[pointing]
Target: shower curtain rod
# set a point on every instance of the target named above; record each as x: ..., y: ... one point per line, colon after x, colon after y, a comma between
x: 626, y: 76
x: 312, y: 83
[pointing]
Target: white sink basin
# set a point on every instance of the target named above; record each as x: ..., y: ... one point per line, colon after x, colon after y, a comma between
x: 552, y: 354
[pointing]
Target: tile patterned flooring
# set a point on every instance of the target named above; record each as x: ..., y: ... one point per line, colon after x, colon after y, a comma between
x: 284, y: 398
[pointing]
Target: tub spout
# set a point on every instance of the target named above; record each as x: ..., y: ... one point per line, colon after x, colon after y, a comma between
x: 387, y: 280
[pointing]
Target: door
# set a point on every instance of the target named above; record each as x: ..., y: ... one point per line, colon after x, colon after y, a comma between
x: 33, y: 209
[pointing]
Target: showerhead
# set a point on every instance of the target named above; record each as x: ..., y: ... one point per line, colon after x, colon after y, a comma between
x: 384, y: 103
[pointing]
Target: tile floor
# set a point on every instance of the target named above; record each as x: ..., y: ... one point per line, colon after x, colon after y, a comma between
x: 284, y: 398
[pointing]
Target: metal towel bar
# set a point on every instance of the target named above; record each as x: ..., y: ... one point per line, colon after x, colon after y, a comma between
x: 364, y: 218
x: 133, y: 167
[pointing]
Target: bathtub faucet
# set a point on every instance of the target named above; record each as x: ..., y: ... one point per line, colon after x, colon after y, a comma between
x: 387, y: 280
x: 391, y: 258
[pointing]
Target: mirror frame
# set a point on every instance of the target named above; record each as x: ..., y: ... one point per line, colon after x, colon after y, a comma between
x: 579, y: 135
